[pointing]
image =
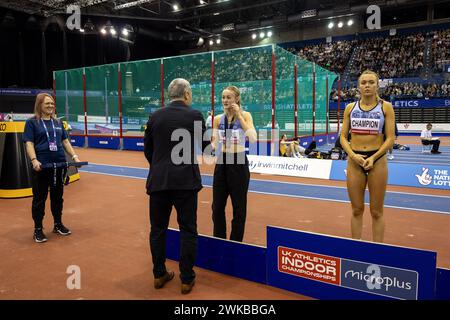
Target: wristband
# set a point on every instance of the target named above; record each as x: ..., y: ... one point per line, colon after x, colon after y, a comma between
x: 33, y: 159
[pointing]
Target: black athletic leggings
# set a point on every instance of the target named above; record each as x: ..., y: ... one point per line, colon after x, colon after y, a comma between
x: 231, y: 178
x: 42, y: 181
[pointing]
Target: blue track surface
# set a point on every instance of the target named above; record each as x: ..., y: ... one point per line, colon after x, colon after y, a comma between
x: 401, y: 200
x: 415, y: 155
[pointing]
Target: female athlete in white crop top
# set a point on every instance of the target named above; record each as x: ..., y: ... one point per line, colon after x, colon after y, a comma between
x: 231, y: 173
x: 371, y: 122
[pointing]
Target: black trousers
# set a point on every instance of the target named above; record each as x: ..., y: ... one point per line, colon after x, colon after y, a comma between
x: 230, y: 180
x: 42, y: 181
x: 161, y: 203
x: 435, y: 143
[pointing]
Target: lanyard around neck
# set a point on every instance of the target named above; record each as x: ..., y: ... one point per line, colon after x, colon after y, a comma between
x: 46, y: 131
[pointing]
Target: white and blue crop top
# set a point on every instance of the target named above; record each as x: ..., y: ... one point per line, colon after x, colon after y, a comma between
x: 231, y: 133
x: 367, y: 122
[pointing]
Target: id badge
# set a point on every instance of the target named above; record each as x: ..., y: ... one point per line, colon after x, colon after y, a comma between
x: 53, y: 146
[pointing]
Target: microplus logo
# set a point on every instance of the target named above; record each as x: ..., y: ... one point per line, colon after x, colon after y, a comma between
x: 381, y: 280
x: 371, y: 278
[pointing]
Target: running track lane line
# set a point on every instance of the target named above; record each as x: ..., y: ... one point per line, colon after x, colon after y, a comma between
x: 398, y: 200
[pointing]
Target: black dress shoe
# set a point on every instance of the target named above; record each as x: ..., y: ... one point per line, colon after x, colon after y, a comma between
x: 436, y: 152
x: 187, y: 287
x: 160, y: 282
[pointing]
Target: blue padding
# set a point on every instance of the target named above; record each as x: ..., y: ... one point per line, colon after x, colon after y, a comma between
x: 332, y: 138
x: 321, y: 139
x: 443, y: 284
x: 305, y: 141
x: 104, y: 142
x: 264, y: 148
x: 133, y: 144
x: 411, y: 272
x: 228, y: 257
x: 77, y: 141
x: 252, y: 148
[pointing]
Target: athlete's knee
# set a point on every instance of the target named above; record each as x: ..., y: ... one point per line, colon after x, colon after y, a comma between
x: 376, y: 213
x: 358, y: 211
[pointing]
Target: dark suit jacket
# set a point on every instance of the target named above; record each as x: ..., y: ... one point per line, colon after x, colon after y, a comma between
x: 164, y: 173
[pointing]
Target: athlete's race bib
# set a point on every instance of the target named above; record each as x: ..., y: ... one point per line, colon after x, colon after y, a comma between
x: 365, y: 122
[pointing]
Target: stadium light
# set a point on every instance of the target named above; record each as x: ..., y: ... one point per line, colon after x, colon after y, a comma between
x: 218, y: 41
x: 127, y: 30
x: 262, y: 35
x: 330, y: 25
x: 350, y: 22
x: 269, y: 34
x: 131, y: 4
x: 340, y: 24
x: 254, y: 36
x: 211, y: 42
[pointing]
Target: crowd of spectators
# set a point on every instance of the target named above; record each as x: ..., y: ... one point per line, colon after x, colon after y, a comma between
x: 391, y: 57
x: 332, y: 56
x: 440, y: 50
x: 405, y: 90
x: 243, y: 65
x: 416, y: 91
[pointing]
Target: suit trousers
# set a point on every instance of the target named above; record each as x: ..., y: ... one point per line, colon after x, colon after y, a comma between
x: 230, y: 179
x: 185, y: 203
